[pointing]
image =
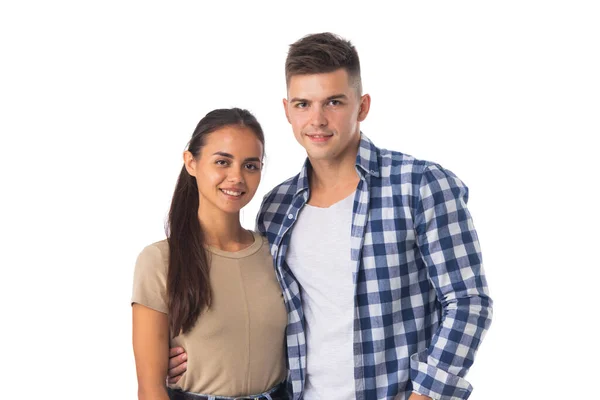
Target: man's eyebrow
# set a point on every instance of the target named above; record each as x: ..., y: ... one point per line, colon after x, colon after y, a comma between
x: 223, y: 154
x: 337, y: 96
x: 334, y: 97
x: 298, y: 100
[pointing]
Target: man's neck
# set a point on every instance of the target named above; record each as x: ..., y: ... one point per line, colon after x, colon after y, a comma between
x: 330, y: 176
x: 332, y: 180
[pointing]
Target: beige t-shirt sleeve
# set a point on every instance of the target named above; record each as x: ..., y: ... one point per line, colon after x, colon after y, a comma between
x: 150, y: 278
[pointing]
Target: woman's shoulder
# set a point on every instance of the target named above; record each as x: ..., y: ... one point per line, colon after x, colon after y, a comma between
x: 161, y: 245
x: 150, y: 276
x: 257, y: 234
x: 258, y: 237
x: 263, y: 247
x: 155, y: 254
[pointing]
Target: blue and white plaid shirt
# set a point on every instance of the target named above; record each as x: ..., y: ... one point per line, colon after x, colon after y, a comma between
x: 421, y: 305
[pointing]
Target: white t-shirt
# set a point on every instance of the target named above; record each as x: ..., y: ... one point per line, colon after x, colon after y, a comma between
x: 319, y: 257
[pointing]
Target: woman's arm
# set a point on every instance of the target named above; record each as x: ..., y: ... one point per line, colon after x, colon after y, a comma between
x: 151, y: 350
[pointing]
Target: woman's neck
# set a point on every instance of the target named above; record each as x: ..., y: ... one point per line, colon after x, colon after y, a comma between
x: 223, y: 230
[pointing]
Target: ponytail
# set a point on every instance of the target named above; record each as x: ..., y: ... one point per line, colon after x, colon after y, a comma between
x: 188, y: 285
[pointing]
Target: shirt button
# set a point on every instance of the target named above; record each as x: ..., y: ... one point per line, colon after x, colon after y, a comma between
x: 372, y: 171
x: 290, y: 216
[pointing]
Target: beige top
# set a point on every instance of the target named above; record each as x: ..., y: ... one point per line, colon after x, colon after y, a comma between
x: 237, y: 346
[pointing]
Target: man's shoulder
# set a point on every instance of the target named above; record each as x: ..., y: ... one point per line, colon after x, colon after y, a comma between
x: 283, y: 192
x: 276, y: 202
x: 274, y: 207
x: 288, y: 185
x: 393, y: 162
x: 403, y: 168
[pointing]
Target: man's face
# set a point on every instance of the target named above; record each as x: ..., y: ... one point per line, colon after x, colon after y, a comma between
x: 325, y: 111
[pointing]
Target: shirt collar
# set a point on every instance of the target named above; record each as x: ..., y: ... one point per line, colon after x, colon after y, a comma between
x: 367, y: 158
x: 367, y: 161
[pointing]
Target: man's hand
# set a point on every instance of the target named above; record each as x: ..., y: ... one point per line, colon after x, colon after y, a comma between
x: 416, y: 396
x: 177, y: 364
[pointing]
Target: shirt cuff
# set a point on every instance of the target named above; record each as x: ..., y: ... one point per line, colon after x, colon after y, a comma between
x: 435, y: 382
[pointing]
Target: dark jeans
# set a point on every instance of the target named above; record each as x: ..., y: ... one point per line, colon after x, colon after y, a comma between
x: 279, y: 392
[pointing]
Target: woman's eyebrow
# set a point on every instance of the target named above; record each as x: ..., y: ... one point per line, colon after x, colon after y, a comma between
x: 223, y: 154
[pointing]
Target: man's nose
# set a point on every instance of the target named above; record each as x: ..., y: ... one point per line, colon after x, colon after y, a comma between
x: 317, y: 116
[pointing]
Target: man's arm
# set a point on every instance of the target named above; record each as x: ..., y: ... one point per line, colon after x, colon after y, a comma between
x: 260, y: 217
x: 416, y: 396
x: 150, y: 345
x: 450, y: 250
x: 177, y: 364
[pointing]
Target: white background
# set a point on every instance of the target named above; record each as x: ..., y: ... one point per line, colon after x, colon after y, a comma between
x: 98, y: 99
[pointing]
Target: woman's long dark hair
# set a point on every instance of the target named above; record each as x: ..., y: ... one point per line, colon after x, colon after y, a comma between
x: 188, y: 284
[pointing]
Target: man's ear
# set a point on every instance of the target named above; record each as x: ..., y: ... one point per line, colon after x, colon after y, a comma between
x: 285, y: 108
x: 365, y: 106
x: 190, y: 162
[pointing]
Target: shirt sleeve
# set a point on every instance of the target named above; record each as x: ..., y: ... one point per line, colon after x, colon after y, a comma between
x: 449, y: 247
x: 260, y: 218
x: 260, y: 226
x: 150, y: 279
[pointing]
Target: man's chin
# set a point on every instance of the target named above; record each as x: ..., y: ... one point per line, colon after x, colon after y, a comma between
x: 319, y: 154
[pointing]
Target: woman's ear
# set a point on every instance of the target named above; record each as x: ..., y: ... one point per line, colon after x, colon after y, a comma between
x: 190, y: 162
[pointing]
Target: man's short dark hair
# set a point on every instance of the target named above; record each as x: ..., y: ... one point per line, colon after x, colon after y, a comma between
x: 322, y: 53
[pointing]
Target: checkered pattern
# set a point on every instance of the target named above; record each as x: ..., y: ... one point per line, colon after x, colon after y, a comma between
x: 421, y: 299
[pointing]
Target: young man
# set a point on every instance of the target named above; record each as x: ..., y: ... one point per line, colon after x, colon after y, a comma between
x: 375, y: 250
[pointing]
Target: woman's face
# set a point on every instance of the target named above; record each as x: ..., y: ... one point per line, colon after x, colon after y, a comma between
x: 228, y: 169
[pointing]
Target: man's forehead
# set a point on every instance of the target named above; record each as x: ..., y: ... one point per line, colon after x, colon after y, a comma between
x: 320, y: 86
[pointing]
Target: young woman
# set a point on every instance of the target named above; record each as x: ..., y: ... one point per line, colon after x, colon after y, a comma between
x: 210, y: 287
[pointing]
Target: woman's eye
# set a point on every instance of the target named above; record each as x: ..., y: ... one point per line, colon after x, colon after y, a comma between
x: 221, y: 162
x: 252, y: 167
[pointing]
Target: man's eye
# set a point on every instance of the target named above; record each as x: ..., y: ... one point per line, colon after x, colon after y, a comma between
x: 300, y: 105
x: 335, y: 102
